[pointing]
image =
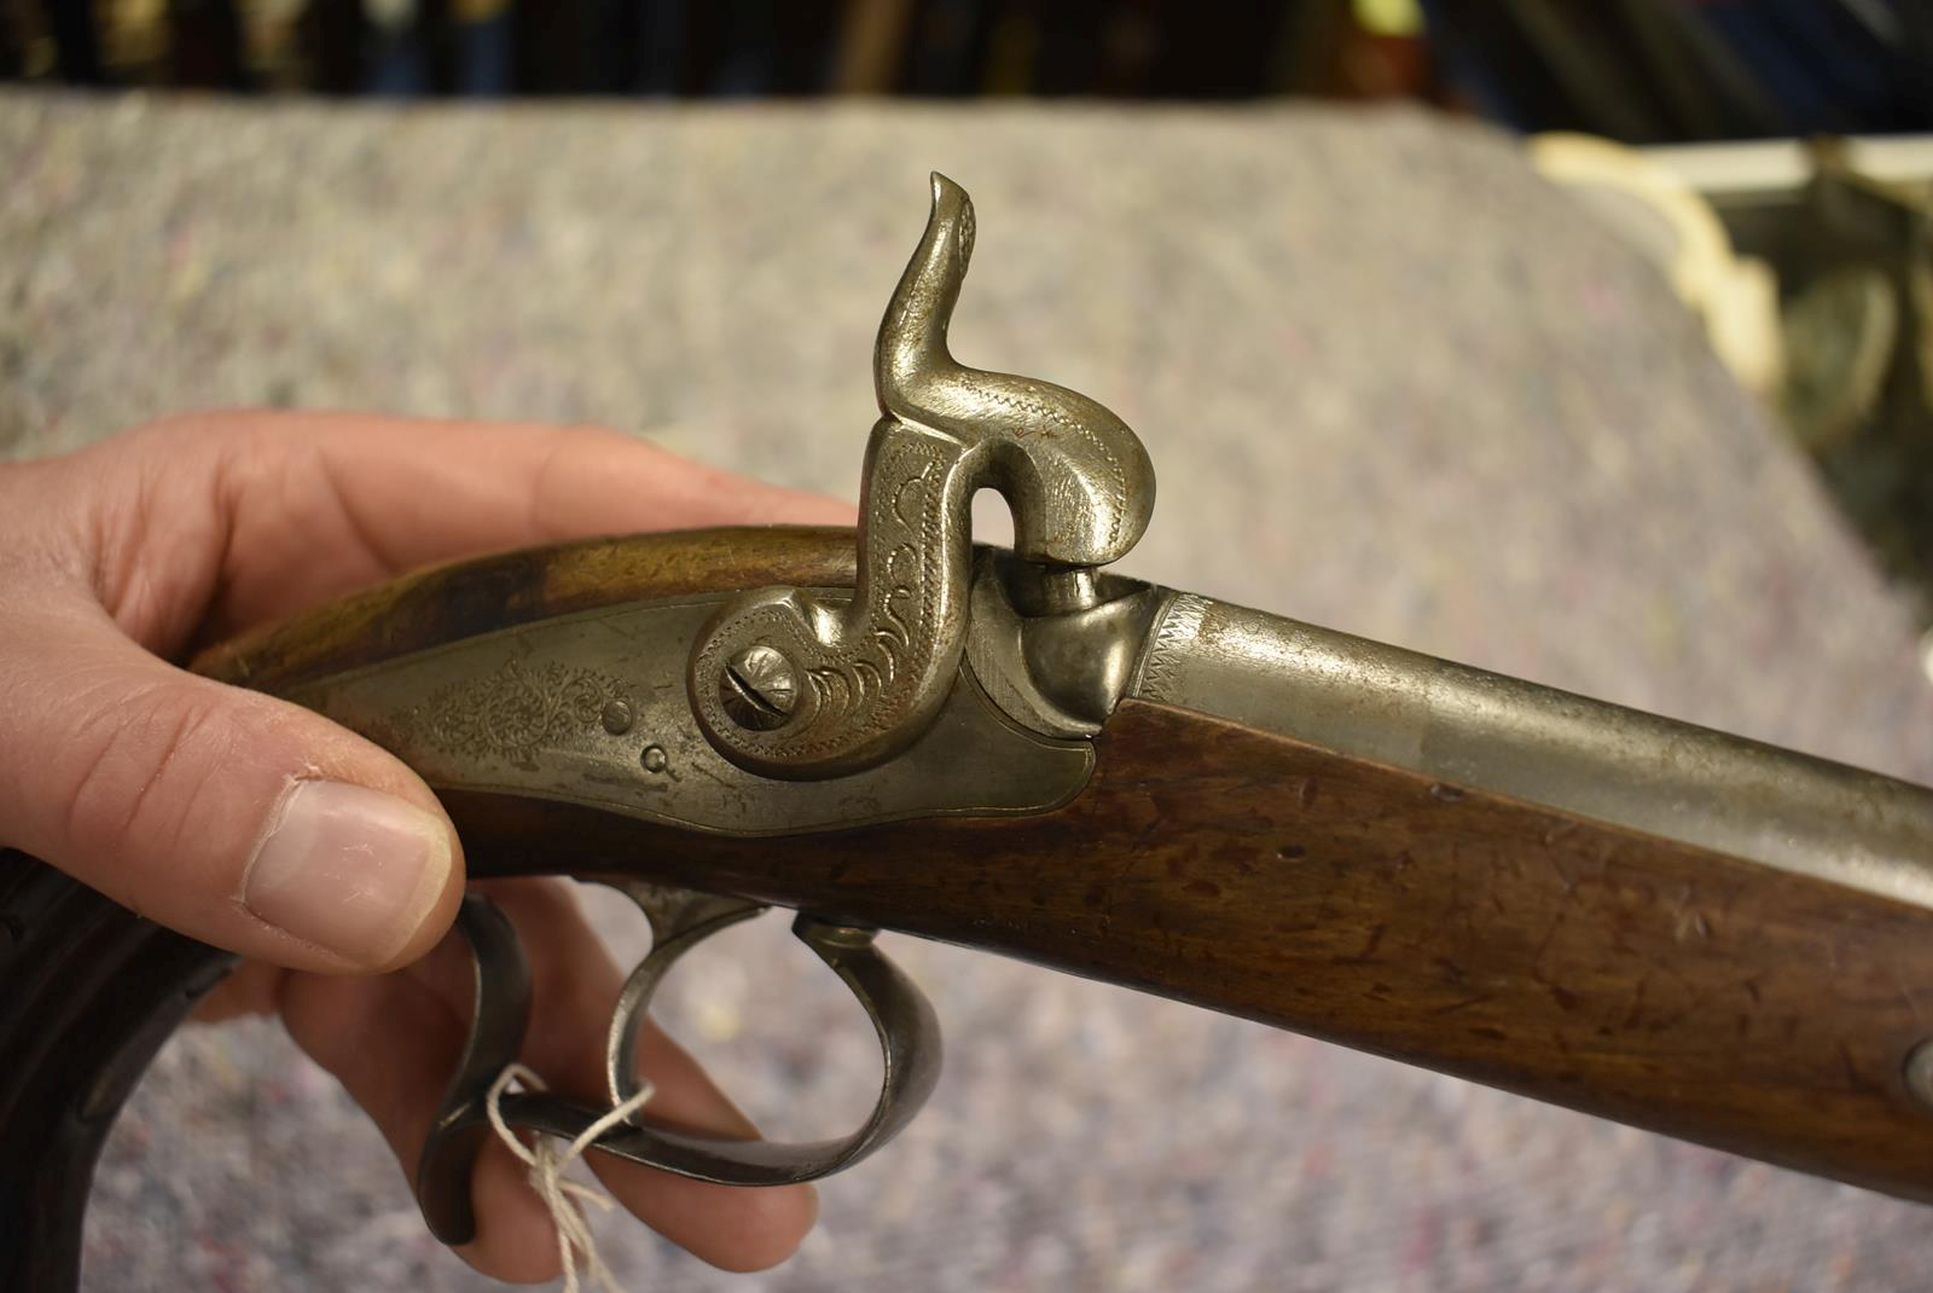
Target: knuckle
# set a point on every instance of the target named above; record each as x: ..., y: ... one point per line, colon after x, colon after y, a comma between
x: 143, y: 766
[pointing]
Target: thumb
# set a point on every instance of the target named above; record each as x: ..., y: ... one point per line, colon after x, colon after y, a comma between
x: 233, y: 817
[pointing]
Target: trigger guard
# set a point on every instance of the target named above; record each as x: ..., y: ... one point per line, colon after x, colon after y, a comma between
x: 902, y: 1018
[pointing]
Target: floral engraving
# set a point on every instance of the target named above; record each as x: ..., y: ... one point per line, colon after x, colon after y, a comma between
x: 515, y: 712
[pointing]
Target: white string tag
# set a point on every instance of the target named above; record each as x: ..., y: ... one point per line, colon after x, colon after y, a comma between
x: 565, y: 1200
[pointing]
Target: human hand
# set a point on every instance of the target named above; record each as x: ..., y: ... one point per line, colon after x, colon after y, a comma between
x: 255, y: 825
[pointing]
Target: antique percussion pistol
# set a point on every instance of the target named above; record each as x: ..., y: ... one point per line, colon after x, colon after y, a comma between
x: 1021, y: 751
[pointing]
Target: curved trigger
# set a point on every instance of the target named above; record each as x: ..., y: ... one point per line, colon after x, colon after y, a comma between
x: 498, y: 1021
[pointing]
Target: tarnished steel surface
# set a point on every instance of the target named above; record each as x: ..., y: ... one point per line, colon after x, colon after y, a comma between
x: 1582, y: 756
x: 591, y: 709
x: 864, y: 678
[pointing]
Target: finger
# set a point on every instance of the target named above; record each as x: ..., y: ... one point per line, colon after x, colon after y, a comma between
x: 236, y: 818
x: 318, y: 504
x: 251, y: 988
x: 392, y: 1042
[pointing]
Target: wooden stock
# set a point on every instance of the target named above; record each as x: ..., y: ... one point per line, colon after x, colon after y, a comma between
x: 1715, y: 999
x: 465, y: 598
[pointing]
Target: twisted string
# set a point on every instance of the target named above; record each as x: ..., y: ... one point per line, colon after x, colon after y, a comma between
x: 565, y: 1200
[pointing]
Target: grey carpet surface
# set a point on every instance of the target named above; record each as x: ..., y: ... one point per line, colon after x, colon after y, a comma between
x: 1391, y: 383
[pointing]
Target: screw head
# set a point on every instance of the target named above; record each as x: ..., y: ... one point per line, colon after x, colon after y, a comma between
x: 617, y: 717
x: 759, y: 688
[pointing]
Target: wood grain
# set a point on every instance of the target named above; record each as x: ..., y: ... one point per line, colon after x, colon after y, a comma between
x: 1712, y: 999
x: 505, y: 589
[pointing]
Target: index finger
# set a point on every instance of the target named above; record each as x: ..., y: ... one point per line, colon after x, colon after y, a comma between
x: 313, y: 505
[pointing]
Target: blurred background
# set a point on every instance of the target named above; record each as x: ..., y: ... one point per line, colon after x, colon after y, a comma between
x: 1588, y: 343
x: 1821, y: 310
x: 1642, y: 71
